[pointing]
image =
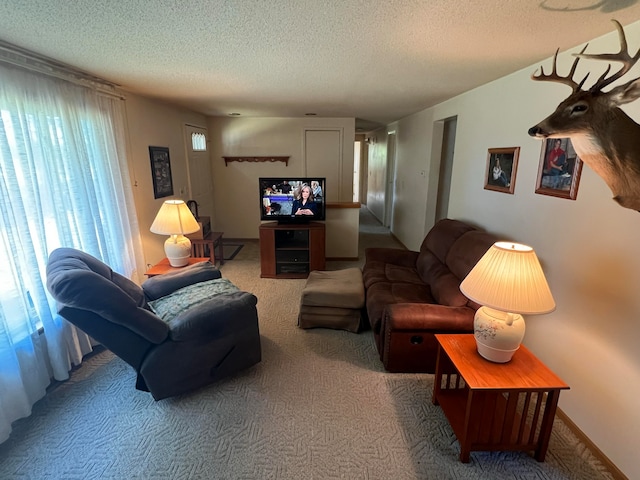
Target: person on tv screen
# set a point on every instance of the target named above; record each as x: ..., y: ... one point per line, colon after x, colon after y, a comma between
x: 285, y: 187
x: 305, y: 204
x: 317, y: 189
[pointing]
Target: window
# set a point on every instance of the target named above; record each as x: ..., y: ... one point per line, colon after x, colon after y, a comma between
x: 63, y: 183
x: 198, y: 142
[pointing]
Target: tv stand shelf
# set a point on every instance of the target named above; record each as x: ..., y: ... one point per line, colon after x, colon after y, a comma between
x: 291, y: 251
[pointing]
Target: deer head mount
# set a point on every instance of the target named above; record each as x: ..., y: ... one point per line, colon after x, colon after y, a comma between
x: 604, y: 137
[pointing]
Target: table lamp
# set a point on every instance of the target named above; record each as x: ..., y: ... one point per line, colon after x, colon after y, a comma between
x: 507, y: 281
x: 175, y: 219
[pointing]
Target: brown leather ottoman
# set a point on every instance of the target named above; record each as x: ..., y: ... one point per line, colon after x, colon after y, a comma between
x: 332, y: 299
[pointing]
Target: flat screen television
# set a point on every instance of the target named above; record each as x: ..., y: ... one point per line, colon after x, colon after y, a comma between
x: 292, y: 199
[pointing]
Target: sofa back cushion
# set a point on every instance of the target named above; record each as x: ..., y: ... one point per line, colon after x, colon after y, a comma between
x: 467, y: 251
x: 431, y: 264
x: 448, y: 253
x: 443, y: 234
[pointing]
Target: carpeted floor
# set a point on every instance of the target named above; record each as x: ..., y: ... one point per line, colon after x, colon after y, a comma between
x: 231, y: 249
x: 319, y: 406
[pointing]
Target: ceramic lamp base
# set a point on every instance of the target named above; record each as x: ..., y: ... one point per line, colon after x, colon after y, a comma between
x: 177, y: 248
x: 498, y: 334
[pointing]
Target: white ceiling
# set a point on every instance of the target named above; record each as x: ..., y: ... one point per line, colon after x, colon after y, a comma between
x: 374, y: 60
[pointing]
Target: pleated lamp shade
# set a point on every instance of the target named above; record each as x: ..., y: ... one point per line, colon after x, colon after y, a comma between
x: 509, y: 278
x: 174, y: 218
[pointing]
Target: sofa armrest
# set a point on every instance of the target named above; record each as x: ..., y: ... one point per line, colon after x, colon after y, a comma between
x: 162, y: 285
x: 425, y: 316
x: 395, y: 256
x: 215, y: 317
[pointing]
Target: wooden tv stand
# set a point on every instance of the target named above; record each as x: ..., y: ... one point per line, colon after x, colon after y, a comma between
x: 291, y: 250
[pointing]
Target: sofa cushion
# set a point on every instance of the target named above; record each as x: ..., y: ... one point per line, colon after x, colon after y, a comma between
x: 445, y: 287
x: 384, y: 264
x: 373, y: 272
x: 446, y: 291
x: 443, y: 234
x: 467, y: 251
x: 435, y: 247
x: 382, y: 294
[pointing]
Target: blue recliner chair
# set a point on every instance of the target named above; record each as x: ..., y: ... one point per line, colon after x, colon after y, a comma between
x: 180, y: 331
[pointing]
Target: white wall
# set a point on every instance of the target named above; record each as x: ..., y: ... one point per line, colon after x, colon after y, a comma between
x: 376, y: 173
x: 342, y: 231
x: 589, y: 248
x: 235, y: 185
x: 153, y: 123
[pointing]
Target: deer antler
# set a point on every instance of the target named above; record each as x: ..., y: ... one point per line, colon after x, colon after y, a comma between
x: 623, y: 56
x: 554, y: 77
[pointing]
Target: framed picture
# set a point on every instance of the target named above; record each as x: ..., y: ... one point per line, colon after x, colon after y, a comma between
x: 502, y: 164
x: 161, y: 172
x: 559, y: 169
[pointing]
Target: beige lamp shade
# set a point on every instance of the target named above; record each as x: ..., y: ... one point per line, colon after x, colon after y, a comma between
x: 174, y: 218
x: 509, y: 278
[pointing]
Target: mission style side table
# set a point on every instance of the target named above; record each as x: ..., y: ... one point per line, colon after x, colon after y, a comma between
x: 495, y: 406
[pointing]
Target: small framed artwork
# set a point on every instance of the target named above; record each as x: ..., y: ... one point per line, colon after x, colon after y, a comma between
x: 161, y: 172
x: 502, y: 164
x: 559, y: 169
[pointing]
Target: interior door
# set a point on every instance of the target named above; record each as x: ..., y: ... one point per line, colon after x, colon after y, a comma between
x: 199, y: 164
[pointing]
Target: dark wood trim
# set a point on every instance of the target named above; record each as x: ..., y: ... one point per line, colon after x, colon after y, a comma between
x: 227, y: 160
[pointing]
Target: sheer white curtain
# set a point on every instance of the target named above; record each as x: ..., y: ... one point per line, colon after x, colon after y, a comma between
x: 64, y: 182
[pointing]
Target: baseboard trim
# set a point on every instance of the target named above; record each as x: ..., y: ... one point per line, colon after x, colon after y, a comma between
x: 611, y: 467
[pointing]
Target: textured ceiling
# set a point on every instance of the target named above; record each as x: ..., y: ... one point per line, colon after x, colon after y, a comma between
x: 374, y: 60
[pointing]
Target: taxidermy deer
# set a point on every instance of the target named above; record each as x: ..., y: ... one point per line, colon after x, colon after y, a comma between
x: 604, y: 137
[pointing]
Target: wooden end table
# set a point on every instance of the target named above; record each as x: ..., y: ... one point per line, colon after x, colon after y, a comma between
x: 495, y: 406
x: 163, y: 266
x: 201, y: 246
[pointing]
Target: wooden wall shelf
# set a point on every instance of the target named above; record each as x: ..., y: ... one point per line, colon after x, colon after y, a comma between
x: 256, y: 159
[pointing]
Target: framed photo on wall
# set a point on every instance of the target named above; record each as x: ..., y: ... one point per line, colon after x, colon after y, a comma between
x: 559, y: 169
x: 161, y: 172
x: 502, y: 164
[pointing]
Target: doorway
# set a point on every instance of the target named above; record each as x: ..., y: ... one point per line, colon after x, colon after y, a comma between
x: 199, y: 165
x: 446, y: 167
x: 390, y: 180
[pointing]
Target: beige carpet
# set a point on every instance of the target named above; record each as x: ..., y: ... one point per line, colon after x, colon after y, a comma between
x: 319, y: 406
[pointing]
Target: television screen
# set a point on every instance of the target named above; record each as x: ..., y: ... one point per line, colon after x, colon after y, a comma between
x: 292, y: 199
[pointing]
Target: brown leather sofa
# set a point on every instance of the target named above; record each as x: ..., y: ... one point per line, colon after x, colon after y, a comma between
x: 410, y: 296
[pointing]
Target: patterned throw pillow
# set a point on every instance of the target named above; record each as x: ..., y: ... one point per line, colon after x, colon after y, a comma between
x: 169, y: 306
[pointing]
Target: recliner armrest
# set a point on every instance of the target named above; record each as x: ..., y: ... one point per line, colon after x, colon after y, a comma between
x: 215, y: 317
x: 425, y: 316
x: 162, y: 285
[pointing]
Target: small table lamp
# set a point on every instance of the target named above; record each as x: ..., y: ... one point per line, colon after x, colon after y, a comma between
x: 508, y: 281
x: 175, y: 219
